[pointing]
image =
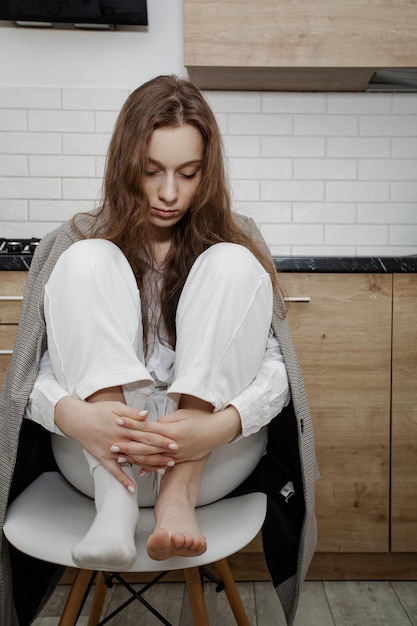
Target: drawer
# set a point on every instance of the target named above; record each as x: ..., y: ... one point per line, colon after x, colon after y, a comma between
x: 10, y: 311
x: 4, y: 366
x: 12, y: 285
x: 7, y: 337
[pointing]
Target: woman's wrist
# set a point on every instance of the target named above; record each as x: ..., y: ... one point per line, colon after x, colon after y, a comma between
x: 230, y: 424
x: 67, y: 412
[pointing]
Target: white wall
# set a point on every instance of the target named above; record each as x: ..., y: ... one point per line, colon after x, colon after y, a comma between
x: 123, y: 58
x: 321, y: 173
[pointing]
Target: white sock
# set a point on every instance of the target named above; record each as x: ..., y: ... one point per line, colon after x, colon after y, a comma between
x: 109, y: 544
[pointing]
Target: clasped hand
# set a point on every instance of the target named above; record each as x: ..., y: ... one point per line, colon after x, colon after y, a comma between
x: 99, y: 426
x: 191, y: 435
x: 115, y: 433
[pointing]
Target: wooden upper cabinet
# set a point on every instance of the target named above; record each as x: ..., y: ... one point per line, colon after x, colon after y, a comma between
x: 342, y: 335
x: 404, y: 415
x: 315, y: 45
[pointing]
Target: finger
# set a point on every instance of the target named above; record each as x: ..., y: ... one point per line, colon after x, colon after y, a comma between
x: 151, y: 461
x: 145, y: 425
x: 129, y: 413
x: 147, y: 438
x: 124, y: 459
x: 140, y: 416
x: 146, y: 469
x: 135, y: 449
x: 170, y: 418
x: 121, y: 476
x: 139, y: 451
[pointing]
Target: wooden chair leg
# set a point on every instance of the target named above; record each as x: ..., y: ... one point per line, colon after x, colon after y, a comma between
x: 196, y: 595
x: 98, y: 600
x: 75, y: 598
x: 223, y: 570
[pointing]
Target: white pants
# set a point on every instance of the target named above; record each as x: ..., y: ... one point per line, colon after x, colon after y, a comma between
x: 93, y: 318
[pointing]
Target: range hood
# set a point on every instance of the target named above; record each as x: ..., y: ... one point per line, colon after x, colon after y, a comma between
x: 397, y: 80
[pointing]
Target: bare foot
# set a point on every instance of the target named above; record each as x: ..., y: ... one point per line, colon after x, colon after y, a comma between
x: 161, y: 545
x: 167, y: 540
x: 177, y: 532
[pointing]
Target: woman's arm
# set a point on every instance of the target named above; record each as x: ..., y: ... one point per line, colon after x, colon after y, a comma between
x: 96, y: 426
x: 267, y: 395
x: 149, y: 444
x: 198, y: 432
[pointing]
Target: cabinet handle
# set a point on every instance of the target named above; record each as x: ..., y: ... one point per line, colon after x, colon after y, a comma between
x: 297, y: 299
x: 6, y: 351
x: 10, y: 298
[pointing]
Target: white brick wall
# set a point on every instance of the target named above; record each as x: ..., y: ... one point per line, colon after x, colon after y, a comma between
x: 320, y: 173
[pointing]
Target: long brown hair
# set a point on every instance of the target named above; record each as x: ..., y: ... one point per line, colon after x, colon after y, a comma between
x: 166, y: 101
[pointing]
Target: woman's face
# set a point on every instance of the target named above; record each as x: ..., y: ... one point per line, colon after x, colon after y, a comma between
x: 172, y: 174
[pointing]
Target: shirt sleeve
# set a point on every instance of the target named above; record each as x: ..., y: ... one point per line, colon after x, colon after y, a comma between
x: 45, y: 394
x: 257, y: 405
x: 267, y: 395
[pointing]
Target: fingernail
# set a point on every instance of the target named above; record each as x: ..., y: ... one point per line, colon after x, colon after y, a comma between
x: 161, y: 471
x: 115, y: 449
x: 131, y: 489
x: 170, y: 464
x: 142, y: 472
x: 119, y: 421
x: 122, y: 459
x: 173, y: 446
x: 142, y: 413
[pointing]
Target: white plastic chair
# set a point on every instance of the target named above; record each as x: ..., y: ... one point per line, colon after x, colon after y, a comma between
x: 50, y: 516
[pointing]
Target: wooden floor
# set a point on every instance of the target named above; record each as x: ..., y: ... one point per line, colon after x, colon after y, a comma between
x: 322, y: 604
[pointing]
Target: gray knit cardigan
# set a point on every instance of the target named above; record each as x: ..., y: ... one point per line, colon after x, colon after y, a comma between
x: 29, y: 347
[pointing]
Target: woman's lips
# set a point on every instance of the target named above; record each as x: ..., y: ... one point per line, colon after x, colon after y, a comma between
x: 164, y: 213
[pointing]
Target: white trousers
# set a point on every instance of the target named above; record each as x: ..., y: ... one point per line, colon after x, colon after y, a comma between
x: 95, y: 341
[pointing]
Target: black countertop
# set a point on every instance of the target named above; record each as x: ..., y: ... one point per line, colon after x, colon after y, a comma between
x: 330, y: 264
x: 334, y: 264
x: 17, y: 254
x: 15, y: 262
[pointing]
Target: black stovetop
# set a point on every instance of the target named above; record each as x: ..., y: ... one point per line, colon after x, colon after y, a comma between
x: 18, y: 246
x: 16, y: 254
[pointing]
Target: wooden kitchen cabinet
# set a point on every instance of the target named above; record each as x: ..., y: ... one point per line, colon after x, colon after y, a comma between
x: 315, y: 45
x: 356, y: 339
x: 342, y: 335
x: 404, y: 415
x: 352, y: 332
x: 11, y: 295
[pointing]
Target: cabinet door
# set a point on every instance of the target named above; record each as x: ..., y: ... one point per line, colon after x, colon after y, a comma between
x: 324, y: 45
x: 404, y: 415
x: 343, y: 339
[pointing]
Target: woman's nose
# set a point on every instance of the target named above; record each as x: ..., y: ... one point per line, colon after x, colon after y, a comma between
x: 167, y: 190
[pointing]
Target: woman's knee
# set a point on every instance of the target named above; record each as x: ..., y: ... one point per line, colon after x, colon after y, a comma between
x: 230, y: 260
x: 88, y: 259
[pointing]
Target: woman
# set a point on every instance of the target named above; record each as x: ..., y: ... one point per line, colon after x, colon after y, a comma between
x: 204, y: 297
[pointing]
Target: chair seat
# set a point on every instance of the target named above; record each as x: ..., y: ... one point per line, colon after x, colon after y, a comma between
x: 50, y: 516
